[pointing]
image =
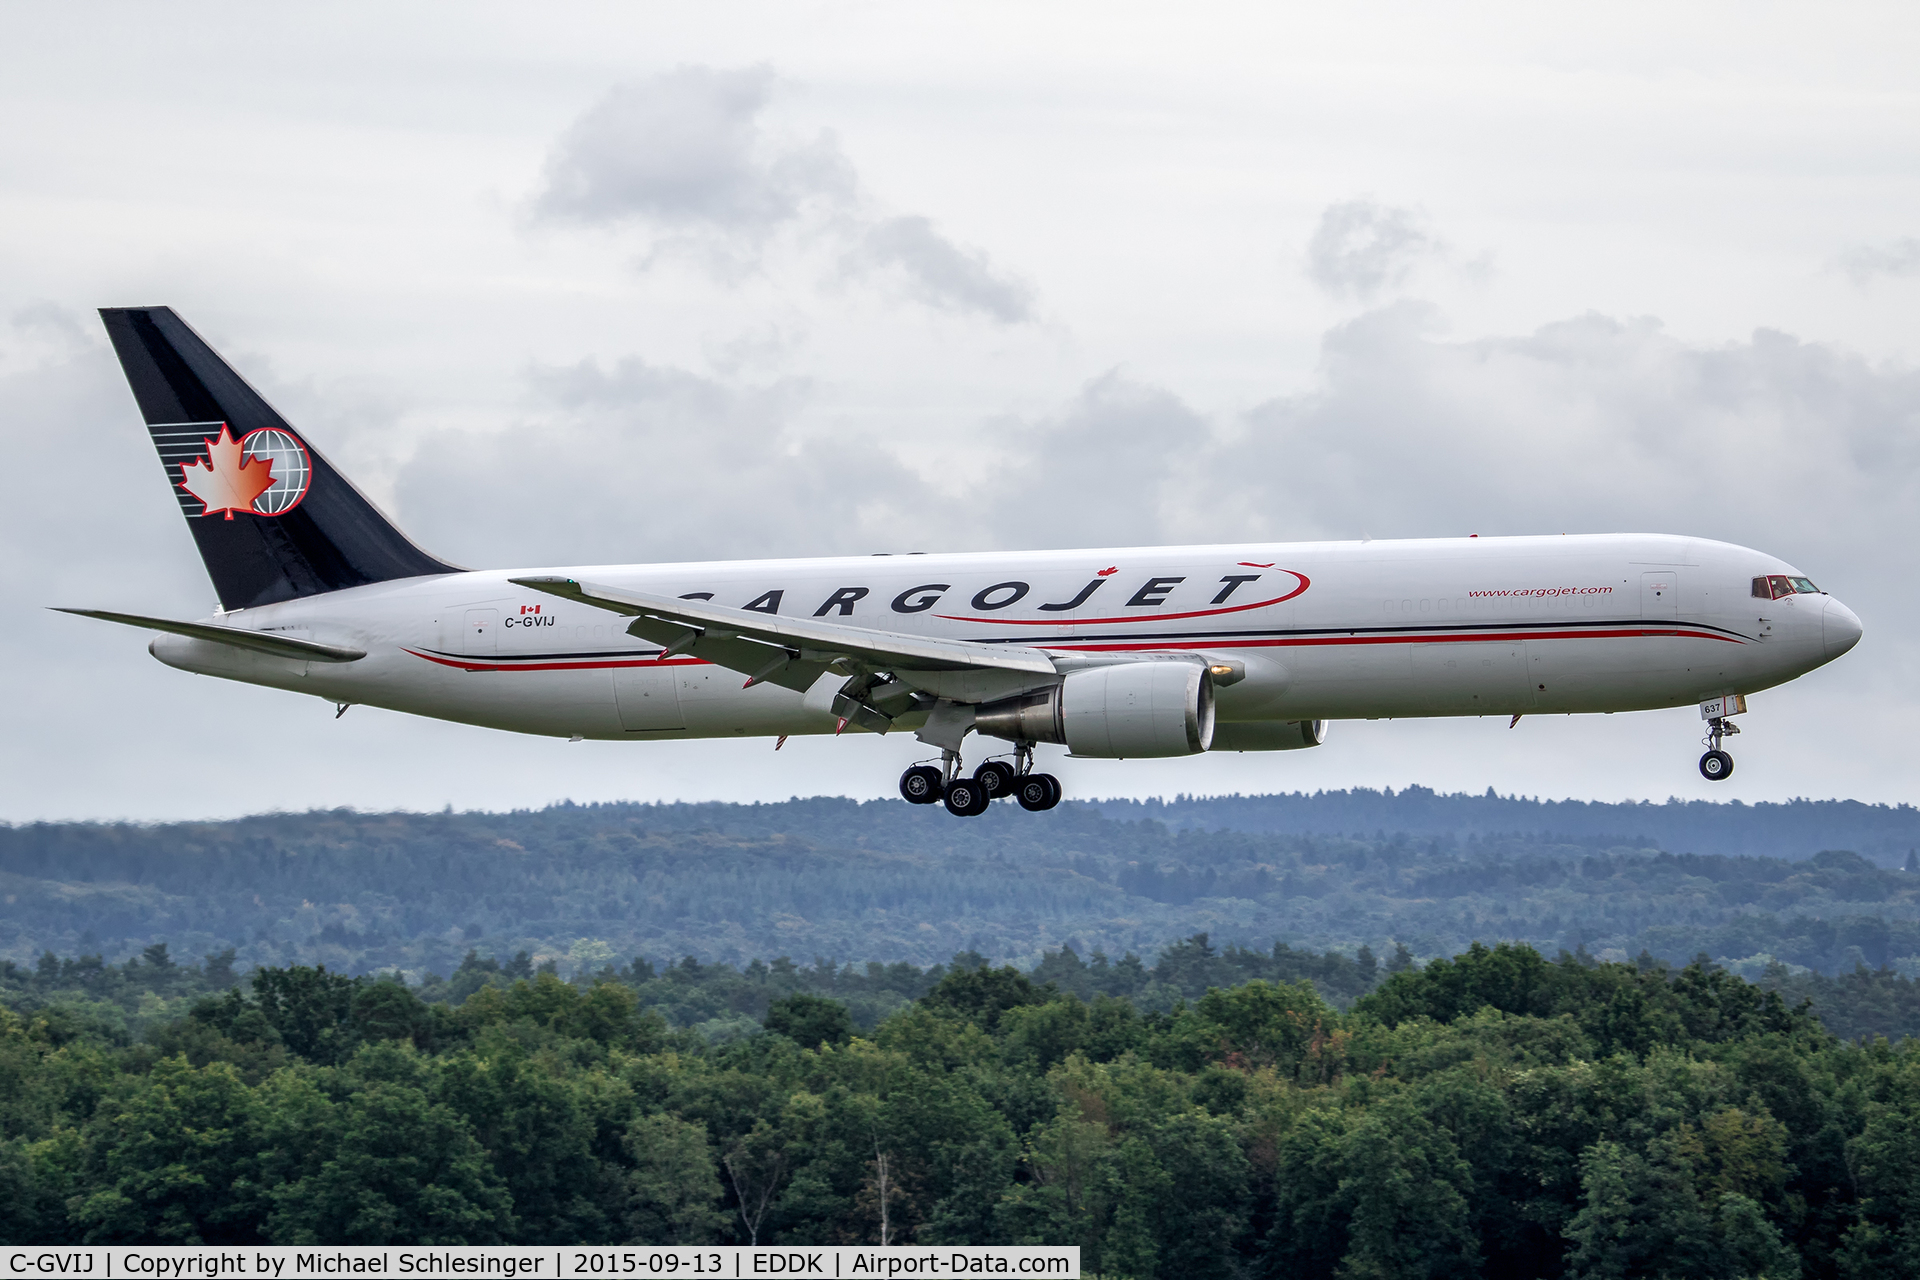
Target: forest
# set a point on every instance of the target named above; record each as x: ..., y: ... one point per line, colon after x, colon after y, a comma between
x: 1249, y: 1036
x: 839, y: 880
x: 1492, y: 1114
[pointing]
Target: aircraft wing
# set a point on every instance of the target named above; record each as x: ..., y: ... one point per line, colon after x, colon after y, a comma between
x: 239, y: 637
x: 793, y: 652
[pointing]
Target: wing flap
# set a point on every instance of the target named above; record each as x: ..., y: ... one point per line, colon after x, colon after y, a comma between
x: 754, y: 643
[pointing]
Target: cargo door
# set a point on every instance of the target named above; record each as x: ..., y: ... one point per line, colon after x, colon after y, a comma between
x: 1478, y: 677
x: 1660, y: 595
x: 648, y: 698
x: 481, y: 636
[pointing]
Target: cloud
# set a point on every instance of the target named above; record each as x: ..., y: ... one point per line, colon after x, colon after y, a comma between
x: 686, y: 149
x: 1361, y: 247
x: 1896, y: 260
x: 1122, y: 463
x: 641, y: 462
x: 43, y: 333
x: 687, y: 155
x: 938, y: 272
x: 1592, y: 424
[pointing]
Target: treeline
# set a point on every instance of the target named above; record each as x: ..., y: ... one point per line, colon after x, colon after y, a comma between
x: 116, y: 1003
x: 1495, y: 1114
x: 579, y: 886
x: 1888, y: 834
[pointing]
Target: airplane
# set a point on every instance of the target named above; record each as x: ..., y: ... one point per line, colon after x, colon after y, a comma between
x: 1115, y: 653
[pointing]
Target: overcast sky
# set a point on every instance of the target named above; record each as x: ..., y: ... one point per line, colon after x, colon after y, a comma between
x: 577, y: 283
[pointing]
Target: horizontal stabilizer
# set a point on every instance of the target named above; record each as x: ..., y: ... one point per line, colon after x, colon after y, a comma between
x: 240, y: 638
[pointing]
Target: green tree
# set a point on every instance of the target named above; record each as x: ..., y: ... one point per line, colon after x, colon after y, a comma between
x: 809, y: 1020
x: 1884, y: 1158
x: 399, y: 1169
x: 1751, y: 1245
x: 169, y: 1156
x: 1408, y: 1193
x: 307, y: 1006
x: 673, y: 1192
x: 1639, y: 1216
x: 538, y: 1133
x: 756, y: 1163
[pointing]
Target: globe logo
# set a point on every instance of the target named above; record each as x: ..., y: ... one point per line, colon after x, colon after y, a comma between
x: 292, y: 469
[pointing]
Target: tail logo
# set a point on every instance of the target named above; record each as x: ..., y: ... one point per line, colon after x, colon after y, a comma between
x: 264, y: 473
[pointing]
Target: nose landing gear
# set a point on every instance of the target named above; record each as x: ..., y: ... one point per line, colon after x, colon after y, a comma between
x: 993, y: 780
x: 1716, y: 765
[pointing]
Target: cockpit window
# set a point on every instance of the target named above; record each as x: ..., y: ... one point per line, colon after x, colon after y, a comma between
x: 1774, y: 586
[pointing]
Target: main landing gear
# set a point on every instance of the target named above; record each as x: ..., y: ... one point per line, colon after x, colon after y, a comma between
x: 968, y: 797
x: 1717, y: 765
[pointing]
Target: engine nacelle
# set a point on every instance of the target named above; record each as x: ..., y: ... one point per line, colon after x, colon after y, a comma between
x: 1129, y: 710
x: 1269, y: 735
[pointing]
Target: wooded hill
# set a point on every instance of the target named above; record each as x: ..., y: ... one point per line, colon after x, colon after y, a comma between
x: 1886, y: 835
x: 584, y: 886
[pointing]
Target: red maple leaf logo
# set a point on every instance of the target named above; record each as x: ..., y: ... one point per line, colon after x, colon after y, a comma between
x: 225, y: 480
x: 1106, y: 572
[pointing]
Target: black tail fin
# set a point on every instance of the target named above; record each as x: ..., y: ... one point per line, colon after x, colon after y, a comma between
x: 302, y: 529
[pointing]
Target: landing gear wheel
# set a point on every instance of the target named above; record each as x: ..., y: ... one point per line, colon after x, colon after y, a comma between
x: 1038, y: 792
x: 996, y: 778
x: 1716, y: 766
x: 921, y: 785
x: 966, y: 798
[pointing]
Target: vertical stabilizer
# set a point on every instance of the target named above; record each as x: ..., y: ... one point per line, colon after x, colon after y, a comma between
x: 273, y: 519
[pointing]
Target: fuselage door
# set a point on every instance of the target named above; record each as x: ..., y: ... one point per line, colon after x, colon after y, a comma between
x: 482, y: 633
x: 1660, y: 595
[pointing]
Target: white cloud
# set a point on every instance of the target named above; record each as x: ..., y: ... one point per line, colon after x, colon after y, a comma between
x: 1362, y: 247
x: 1596, y: 424
x: 689, y: 155
x: 1866, y: 263
x: 641, y: 462
x: 939, y: 272
x: 687, y: 149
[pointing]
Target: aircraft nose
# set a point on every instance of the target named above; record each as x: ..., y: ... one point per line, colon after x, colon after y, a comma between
x: 1839, y: 628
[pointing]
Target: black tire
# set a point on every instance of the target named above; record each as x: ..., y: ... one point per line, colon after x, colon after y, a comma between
x: 1716, y: 766
x: 921, y: 785
x: 996, y: 777
x: 966, y: 798
x: 1037, y: 792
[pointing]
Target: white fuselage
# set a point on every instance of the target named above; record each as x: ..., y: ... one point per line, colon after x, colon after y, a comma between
x: 1325, y: 631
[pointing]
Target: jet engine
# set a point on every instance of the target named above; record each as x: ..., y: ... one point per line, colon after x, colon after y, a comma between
x: 1270, y: 735
x: 1126, y: 711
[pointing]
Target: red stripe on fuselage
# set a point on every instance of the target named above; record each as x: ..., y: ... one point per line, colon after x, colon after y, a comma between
x: 1147, y: 617
x: 591, y: 664
x: 1501, y: 637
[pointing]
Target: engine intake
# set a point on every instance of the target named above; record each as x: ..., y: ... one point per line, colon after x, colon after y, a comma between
x: 1129, y: 710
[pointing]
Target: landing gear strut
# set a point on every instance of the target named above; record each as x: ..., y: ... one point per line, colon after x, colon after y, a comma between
x: 994, y: 780
x: 1717, y: 765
